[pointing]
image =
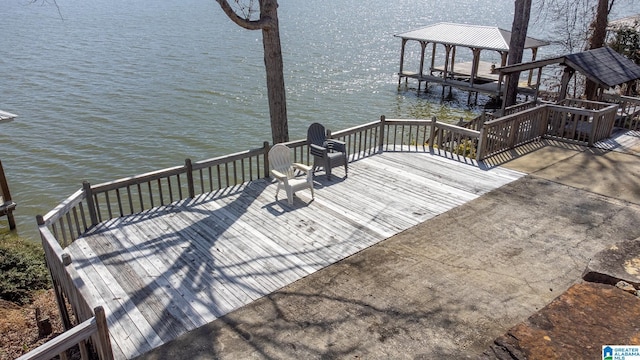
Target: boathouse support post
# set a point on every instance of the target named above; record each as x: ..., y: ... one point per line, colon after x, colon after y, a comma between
x: 265, y: 146
x: 447, y: 54
x: 88, y: 195
x: 7, y: 204
x: 404, y: 43
x: 190, y: 186
x: 535, y: 97
x: 423, y: 47
x: 433, y: 58
x: 475, y: 65
x: 381, y: 137
x: 453, y: 60
x: 534, y: 52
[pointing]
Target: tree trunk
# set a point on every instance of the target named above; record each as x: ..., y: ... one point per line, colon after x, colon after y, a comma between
x: 275, y: 74
x: 516, y: 46
x: 596, y: 40
x: 273, y: 63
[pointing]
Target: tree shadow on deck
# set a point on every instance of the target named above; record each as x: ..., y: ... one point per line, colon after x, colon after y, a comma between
x: 443, y: 289
x: 183, y: 265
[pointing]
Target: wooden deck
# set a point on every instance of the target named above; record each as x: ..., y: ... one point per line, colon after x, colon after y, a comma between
x: 172, y: 269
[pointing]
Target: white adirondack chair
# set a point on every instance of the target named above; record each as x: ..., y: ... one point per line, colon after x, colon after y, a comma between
x: 284, y: 170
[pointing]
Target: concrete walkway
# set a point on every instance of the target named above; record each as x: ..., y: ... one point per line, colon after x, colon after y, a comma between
x: 448, y: 287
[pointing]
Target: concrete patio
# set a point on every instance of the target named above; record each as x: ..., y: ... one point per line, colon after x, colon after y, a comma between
x: 447, y: 287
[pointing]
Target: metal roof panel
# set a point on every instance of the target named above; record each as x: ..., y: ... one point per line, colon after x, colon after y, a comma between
x: 472, y: 36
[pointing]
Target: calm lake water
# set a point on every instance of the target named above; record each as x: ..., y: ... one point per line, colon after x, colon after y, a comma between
x: 121, y: 87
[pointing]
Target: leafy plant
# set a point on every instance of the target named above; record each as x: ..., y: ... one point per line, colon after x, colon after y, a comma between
x: 466, y: 148
x: 626, y: 41
x: 22, y: 269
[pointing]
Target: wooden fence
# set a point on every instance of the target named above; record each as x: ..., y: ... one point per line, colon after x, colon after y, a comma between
x: 93, y: 327
x: 93, y: 204
x: 628, y: 115
x: 97, y: 203
x: 574, y: 121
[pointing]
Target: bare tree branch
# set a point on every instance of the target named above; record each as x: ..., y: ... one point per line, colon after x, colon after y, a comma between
x: 245, y: 22
x: 43, y: 2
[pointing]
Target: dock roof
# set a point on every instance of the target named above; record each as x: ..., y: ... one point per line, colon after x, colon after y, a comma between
x: 471, y: 36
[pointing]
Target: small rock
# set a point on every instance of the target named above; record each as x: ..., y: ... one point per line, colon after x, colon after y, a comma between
x: 625, y: 286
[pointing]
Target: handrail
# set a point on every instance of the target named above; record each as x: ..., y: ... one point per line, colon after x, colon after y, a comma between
x: 94, y: 326
x: 64, y: 207
x: 96, y: 203
x: 137, y: 179
x: 628, y: 115
x: 583, y: 126
x: 93, y: 204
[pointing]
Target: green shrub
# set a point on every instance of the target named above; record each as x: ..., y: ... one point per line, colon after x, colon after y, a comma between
x: 22, y: 269
x: 466, y: 148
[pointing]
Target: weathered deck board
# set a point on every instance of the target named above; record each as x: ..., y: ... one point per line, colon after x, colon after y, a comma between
x: 177, y: 267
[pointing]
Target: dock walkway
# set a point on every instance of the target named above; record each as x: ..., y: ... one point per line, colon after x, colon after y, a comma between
x: 175, y: 268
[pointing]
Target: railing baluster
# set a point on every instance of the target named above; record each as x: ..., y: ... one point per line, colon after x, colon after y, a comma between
x: 130, y: 198
x: 108, y: 202
x: 82, y: 217
x: 76, y: 222
x: 219, y: 184
x: 97, y: 207
x: 140, y: 197
x: 170, y: 189
x: 251, y: 168
x: 150, y: 194
x: 119, y: 199
x: 159, y: 191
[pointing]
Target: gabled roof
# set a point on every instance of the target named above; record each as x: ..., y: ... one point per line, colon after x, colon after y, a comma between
x: 603, y: 66
x: 471, y: 36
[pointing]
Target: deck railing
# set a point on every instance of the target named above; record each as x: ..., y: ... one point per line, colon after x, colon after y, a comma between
x: 97, y: 203
x: 507, y: 132
x: 77, y: 336
x: 574, y: 121
x: 628, y: 115
x: 93, y: 204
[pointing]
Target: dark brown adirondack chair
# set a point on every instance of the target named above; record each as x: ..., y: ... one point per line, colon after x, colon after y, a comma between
x: 327, y: 153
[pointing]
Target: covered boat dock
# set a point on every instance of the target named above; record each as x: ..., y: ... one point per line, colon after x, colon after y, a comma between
x: 473, y: 76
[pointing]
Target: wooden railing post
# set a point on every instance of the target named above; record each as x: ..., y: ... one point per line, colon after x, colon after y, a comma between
x: 105, y: 352
x: 265, y: 146
x: 381, y: 137
x: 432, y: 133
x: 189, y: 168
x: 88, y: 195
x: 544, y: 121
x: 482, y: 140
x: 594, y: 127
